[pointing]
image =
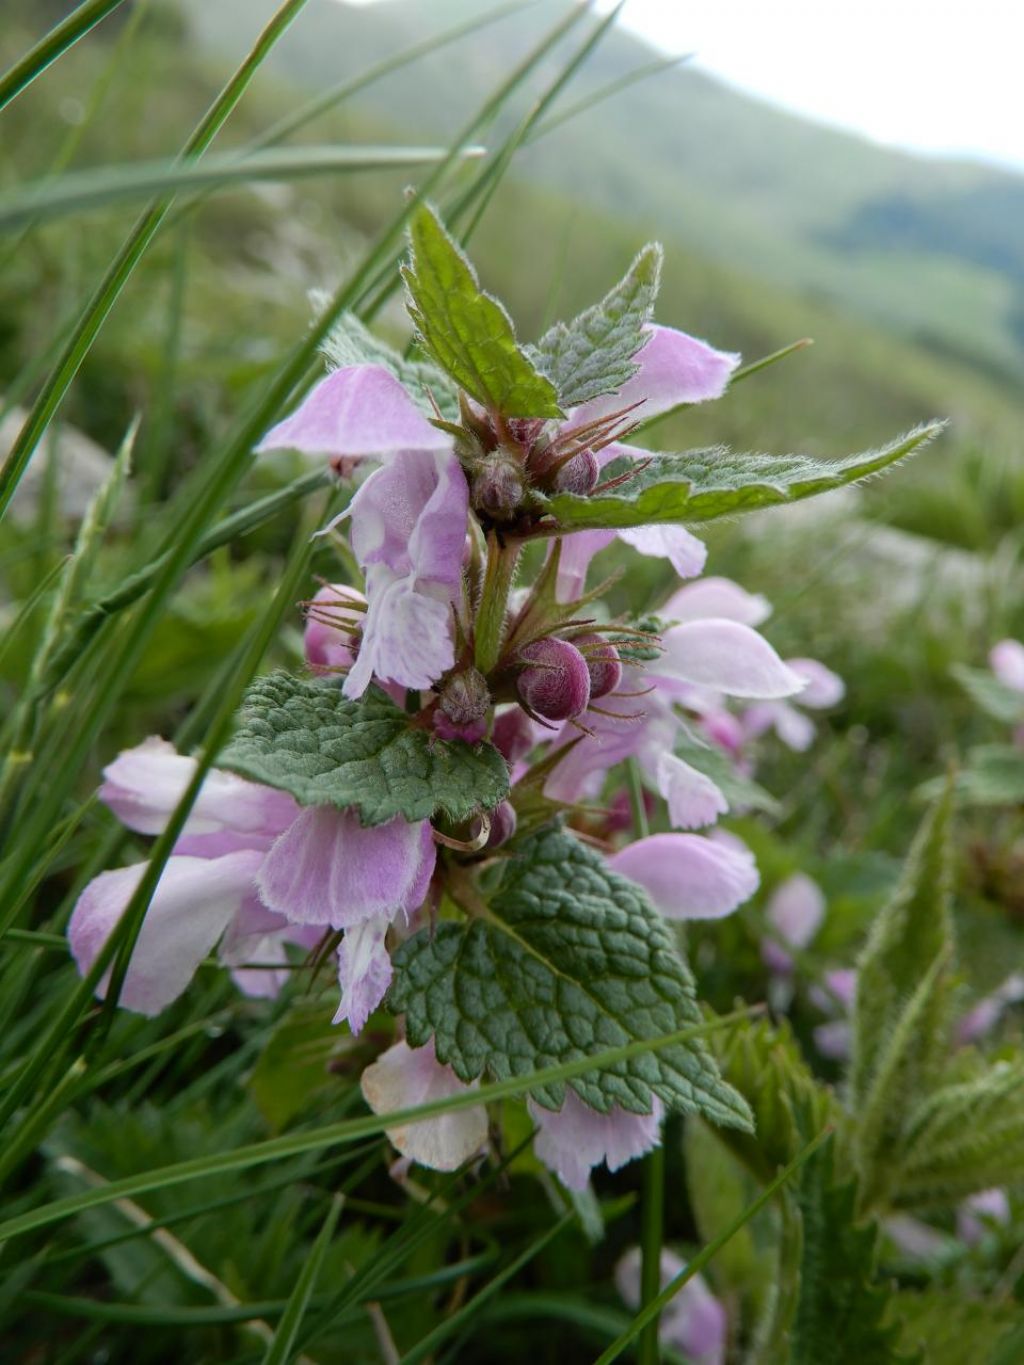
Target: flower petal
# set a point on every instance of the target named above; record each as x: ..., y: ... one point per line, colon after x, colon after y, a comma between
x: 194, y: 901
x: 684, y: 551
x: 674, y: 368
x: 364, y: 972
x: 689, y: 876
x: 823, y: 687
x: 574, y: 1139
x: 693, y: 799
x: 795, y: 910
x: 144, y: 785
x: 694, y: 1321
x: 407, y: 636
x: 328, y: 869
x: 402, y: 1077
x: 356, y: 411
x: 718, y: 597
x: 1007, y: 662
x: 726, y: 656
x: 577, y: 551
x: 331, y: 618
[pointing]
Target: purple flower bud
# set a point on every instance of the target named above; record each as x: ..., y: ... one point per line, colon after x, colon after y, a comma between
x: 464, y: 697
x: 513, y: 734
x: 525, y: 430
x: 603, y: 664
x: 555, y: 681
x: 580, y: 474
x: 503, y: 824
x: 472, y: 732
x: 498, y: 487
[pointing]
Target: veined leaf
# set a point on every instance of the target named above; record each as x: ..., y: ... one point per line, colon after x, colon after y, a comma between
x: 701, y: 485
x: 568, y: 959
x: 992, y: 775
x: 307, y: 739
x: 468, y: 332
x: 594, y: 354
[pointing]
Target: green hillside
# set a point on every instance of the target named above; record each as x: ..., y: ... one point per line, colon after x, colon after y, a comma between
x: 933, y: 248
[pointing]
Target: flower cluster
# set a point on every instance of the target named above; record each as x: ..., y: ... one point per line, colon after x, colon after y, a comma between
x: 541, y: 672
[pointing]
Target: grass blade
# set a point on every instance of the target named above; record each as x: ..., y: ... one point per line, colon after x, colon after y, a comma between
x: 281, y: 1349
x: 53, y: 45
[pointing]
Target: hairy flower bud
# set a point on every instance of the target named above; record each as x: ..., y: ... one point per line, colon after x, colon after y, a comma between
x: 525, y: 430
x: 498, y: 487
x: 462, y: 707
x: 503, y: 825
x: 555, y: 680
x: 580, y: 474
x: 603, y: 664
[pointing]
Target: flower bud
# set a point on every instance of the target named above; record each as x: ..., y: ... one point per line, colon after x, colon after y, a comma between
x: 603, y: 664
x: 503, y: 825
x: 580, y: 474
x: 498, y: 487
x: 555, y: 681
x: 525, y: 430
x: 462, y: 707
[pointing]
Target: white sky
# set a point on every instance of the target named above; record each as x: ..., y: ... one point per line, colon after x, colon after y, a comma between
x: 945, y: 76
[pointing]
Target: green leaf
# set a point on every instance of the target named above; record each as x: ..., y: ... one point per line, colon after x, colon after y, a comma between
x: 567, y: 959
x: 741, y: 792
x: 840, y: 1313
x: 940, y: 1323
x: 704, y: 484
x: 350, y: 342
x: 307, y: 739
x: 901, y: 1018
x: 594, y: 354
x: 992, y: 775
x: 763, y: 1062
x: 468, y: 332
x: 964, y: 1137
x: 1002, y: 703
x: 294, y: 1069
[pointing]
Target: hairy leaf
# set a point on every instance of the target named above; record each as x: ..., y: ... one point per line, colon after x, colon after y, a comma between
x: 840, y: 1312
x: 567, y: 959
x: 704, y: 484
x: 307, y: 739
x: 594, y: 353
x: 350, y: 342
x: 992, y: 775
x: 963, y: 1138
x: 468, y: 332
x: 940, y: 1323
x: 763, y: 1062
x: 901, y: 1018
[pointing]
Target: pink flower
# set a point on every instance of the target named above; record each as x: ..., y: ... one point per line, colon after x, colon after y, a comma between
x: 333, y: 619
x: 408, y: 533
x: 983, y: 1016
x: 358, y: 411
x: 688, y: 876
x: 822, y: 688
x: 795, y: 911
x: 574, y: 1139
x: 403, y: 1077
x: 981, y: 1212
x: 719, y: 598
x: 693, y: 1321
x: 1007, y: 661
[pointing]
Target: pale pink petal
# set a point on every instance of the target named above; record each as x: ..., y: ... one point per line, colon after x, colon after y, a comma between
x: 674, y: 368
x: 407, y: 636
x: 194, y: 901
x: 574, y: 1139
x: 617, y: 732
x: 727, y: 657
x: 331, y: 617
x: 327, y: 868
x: 411, y: 515
x: 916, y: 1238
x: 838, y: 992
x: 693, y: 1321
x: 717, y: 597
x: 402, y: 1077
x: 577, y: 551
x: 980, y: 1213
x: 794, y: 728
x: 1007, y: 661
x: 358, y: 410
x: 364, y: 972
x: 144, y: 785
x: 983, y: 1017
x: 823, y: 687
x: 834, y: 1039
x: 693, y: 799
x: 795, y: 910
x: 689, y: 876
x: 684, y: 551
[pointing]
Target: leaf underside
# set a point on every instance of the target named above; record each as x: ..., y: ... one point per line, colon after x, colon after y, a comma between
x: 305, y: 738
x: 570, y: 960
